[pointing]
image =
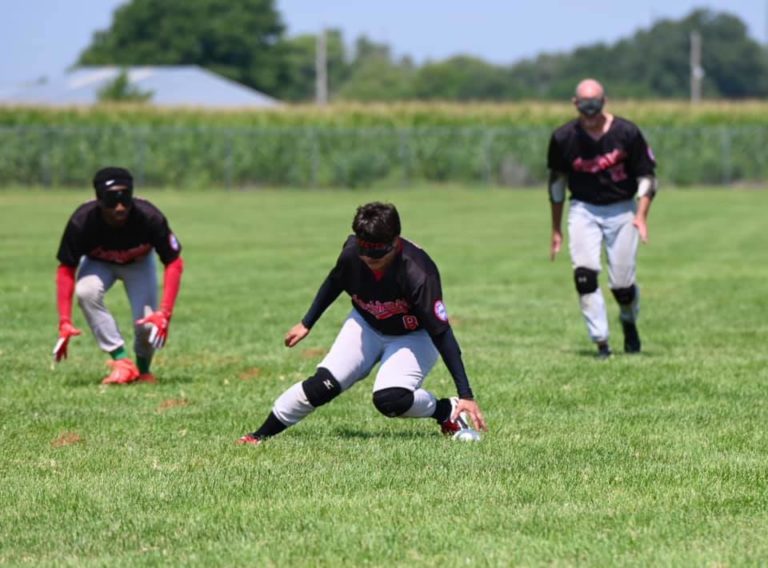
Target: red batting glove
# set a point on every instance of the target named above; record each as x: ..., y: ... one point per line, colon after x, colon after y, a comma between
x: 66, y: 330
x: 158, y: 322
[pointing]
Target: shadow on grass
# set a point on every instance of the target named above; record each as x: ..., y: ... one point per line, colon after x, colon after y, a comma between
x: 373, y: 435
x: 94, y: 380
x: 592, y: 354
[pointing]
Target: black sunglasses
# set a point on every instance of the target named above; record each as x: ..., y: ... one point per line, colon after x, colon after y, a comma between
x: 110, y: 199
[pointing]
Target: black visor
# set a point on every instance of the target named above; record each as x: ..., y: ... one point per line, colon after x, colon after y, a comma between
x: 373, y: 250
x: 111, y: 198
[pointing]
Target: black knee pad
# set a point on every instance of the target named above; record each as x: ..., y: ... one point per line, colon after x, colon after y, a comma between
x: 393, y: 401
x: 625, y: 295
x: 585, y: 279
x: 321, y: 388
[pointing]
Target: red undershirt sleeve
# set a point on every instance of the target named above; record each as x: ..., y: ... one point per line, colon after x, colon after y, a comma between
x: 65, y: 289
x: 171, y: 284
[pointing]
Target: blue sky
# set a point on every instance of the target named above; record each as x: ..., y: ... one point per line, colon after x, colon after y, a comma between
x: 42, y: 37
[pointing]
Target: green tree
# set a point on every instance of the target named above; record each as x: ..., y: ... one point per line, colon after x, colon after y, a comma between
x: 374, y: 75
x: 655, y: 62
x: 121, y: 90
x: 236, y: 39
x: 462, y: 78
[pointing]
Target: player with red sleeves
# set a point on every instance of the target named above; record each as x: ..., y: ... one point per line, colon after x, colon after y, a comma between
x: 108, y: 239
x: 606, y: 163
x: 398, y: 320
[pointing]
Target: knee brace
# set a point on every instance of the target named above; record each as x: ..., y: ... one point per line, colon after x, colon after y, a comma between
x: 321, y: 388
x: 393, y: 401
x: 624, y: 295
x: 585, y: 279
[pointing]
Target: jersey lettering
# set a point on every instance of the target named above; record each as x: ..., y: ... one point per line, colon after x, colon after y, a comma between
x: 410, y: 322
x: 599, y: 163
x: 120, y: 256
x: 382, y: 310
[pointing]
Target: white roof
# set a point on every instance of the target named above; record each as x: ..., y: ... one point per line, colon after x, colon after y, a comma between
x: 183, y: 85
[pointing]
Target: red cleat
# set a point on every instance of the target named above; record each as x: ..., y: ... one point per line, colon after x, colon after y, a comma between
x: 251, y: 439
x: 147, y: 378
x: 124, y: 371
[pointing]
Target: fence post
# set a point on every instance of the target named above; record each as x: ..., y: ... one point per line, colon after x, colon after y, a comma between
x: 314, y: 157
x: 141, y: 158
x: 405, y: 178
x: 725, y: 153
x: 229, y: 159
x: 488, y: 155
x: 47, y: 134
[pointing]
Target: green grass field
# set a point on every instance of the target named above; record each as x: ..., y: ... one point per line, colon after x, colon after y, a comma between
x: 657, y: 459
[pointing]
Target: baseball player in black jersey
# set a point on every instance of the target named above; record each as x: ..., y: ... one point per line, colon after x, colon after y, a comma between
x: 398, y: 320
x: 605, y: 162
x: 110, y: 239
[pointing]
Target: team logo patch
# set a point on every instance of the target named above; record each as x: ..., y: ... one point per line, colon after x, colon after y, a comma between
x: 173, y: 242
x: 440, y: 312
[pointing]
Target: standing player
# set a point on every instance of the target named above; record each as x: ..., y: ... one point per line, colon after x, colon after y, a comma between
x: 604, y: 161
x: 112, y: 239
x: 398, y: 320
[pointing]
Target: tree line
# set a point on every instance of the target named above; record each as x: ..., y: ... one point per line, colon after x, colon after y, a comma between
x: 246, y: 41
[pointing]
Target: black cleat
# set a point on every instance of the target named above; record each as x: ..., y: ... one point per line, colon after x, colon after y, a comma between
x: 631, y: 337
x: 603, y: 351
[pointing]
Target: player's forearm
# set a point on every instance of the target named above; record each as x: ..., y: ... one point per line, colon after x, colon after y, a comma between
x: 643, y: 207
x: 65, y: 289
x: 325, y: 296
x: 171, y: 285
x: 557, y: 215
x: 450, y: 352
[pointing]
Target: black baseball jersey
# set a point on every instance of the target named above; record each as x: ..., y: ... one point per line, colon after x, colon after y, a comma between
x: 146, y: 228
x: 405, y: 298
x: 601, y: 171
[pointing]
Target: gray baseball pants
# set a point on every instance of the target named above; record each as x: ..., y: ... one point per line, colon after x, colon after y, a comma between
x: 95, y: 278
x: 405, y: 362
x: 589, y: 227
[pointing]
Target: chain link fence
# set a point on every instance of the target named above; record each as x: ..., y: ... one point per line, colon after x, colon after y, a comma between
x: 206, y: 157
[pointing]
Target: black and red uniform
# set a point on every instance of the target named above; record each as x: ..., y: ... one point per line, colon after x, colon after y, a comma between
x: 605, y: 170
x: 406, y: 297
x: 87, y: 234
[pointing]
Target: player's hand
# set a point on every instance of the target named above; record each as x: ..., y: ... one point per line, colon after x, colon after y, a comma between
x: 296, y: 334
x: 66, y: 330
x: 471, y: 407
x: 556, y: 244
x: 158, y: 332
x: 642, y: 228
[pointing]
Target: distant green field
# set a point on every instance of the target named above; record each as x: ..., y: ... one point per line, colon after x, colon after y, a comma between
x: 657, y: 459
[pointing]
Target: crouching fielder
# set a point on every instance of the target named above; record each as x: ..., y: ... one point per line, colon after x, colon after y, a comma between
x: 398, y: 319
x: 605, y: 162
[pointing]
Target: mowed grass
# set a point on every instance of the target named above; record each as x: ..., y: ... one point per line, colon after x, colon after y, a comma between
x: 657, y: 459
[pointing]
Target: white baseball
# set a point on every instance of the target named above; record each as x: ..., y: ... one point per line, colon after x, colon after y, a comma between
x: 467, y: 436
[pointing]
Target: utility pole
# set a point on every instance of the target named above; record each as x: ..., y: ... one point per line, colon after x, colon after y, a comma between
x: 321, y: 70
x: 697, y: 71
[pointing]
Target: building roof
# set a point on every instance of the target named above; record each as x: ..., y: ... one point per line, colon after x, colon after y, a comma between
x: 182, y: 85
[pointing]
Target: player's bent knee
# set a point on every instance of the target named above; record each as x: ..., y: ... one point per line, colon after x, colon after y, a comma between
x: 585, y: 280
x: 88, y: 291
x: 321, y: 388
x: 393, y: 401
x: 625, y: 295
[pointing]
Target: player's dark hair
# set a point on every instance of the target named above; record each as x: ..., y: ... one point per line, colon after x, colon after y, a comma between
x: 376, y: 222
x: 109, y: 177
